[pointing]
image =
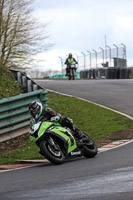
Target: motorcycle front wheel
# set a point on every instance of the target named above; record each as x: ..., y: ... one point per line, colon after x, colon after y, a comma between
x: 73, y: 74
x: 69, y: 76
x: 53, y: 153
x: 90, y: 148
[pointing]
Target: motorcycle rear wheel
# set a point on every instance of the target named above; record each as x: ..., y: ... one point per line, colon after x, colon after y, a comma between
x: 55, y: 156
x: 90, y: 150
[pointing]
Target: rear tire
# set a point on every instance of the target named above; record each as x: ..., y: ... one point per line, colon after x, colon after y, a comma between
x: 90, y: 150
x: 53, y: 155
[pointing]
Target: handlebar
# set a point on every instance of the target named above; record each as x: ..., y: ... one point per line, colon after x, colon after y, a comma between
x: 72, y: 65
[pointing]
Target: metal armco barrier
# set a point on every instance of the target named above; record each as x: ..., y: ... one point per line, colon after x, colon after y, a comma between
x: 14, y: 113
x: 26, y: 81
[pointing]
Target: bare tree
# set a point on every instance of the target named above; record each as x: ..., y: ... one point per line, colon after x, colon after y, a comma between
x: 21, y: 35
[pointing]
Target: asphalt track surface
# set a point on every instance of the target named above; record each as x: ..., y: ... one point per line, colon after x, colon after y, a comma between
x: 108, y: 176
x: 115, y: 94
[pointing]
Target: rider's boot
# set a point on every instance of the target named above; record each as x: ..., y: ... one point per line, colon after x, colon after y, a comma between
x: 80, y: 135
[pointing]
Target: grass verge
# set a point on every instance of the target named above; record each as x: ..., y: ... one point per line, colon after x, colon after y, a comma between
x: 98, y: 122
x: 8, y: 86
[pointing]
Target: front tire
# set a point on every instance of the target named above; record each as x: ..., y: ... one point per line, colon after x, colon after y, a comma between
x: 69, y: 76
x: 90, y: 149
x: 73, y: 74
x: 55, y: 156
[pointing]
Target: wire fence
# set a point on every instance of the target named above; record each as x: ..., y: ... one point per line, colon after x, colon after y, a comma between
x: 109, y: 57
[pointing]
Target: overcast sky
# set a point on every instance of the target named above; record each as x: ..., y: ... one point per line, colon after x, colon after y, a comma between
x: 80, y: 25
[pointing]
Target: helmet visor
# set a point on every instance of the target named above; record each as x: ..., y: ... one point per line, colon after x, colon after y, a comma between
x: 34, y: 112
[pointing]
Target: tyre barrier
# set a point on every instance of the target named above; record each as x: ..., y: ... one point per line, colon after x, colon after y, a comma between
x: 108, y: 73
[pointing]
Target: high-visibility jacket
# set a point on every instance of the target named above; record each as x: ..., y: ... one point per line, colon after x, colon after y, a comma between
x: 70, y: 60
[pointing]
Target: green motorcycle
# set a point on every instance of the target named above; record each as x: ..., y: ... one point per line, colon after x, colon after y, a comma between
x: 57, y: 143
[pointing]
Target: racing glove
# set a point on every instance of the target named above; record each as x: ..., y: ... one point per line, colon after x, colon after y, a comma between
x: 55, y: 119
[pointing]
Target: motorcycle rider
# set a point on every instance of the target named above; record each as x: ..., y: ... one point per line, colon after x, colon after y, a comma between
x: 70, y: 60
x: 39, y: 113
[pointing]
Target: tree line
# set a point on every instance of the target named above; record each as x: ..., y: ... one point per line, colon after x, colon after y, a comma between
x: 37, y: 73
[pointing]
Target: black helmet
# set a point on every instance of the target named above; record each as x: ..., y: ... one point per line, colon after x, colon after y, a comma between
x: 70, y: 55
x: 35, y: 109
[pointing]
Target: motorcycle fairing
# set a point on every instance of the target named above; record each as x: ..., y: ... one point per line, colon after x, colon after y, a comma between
x: 44, y: 126
x: 65, y: 134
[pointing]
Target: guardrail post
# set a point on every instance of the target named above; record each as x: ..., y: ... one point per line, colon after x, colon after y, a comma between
x: 35, y: 87
x: 29, y: 86
x: 24, y: 81
x: 19, y: 77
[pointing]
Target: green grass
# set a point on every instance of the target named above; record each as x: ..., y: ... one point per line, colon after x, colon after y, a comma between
x: 95, y: 120
x: 8, y: 86
x: 98, y: 122
x: 29, y: 152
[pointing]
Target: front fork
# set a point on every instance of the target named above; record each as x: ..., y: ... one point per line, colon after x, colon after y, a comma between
x: 51, y: 142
